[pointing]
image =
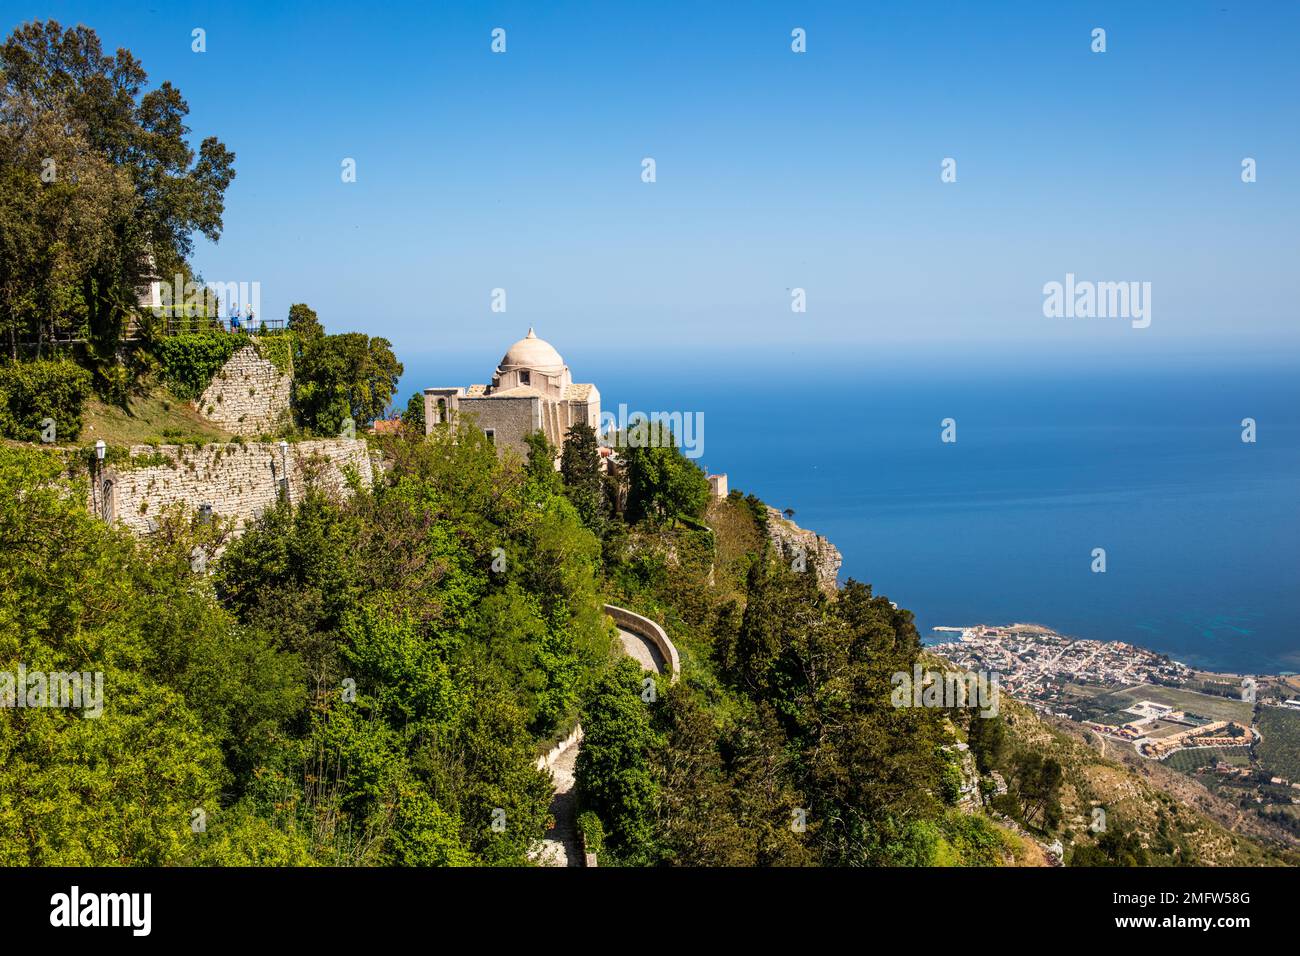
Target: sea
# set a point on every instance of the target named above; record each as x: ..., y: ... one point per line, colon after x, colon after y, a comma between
x: 1200, y: 529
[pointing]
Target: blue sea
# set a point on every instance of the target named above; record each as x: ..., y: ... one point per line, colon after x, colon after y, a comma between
x: 1201, y: 530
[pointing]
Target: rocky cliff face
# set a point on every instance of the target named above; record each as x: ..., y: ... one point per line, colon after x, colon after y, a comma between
x: 804, y: 550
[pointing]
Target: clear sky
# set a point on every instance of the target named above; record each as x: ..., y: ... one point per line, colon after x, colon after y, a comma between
x: 775, y: 170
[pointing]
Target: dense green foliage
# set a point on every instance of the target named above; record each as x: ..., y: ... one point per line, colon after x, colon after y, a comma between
x: 781, y: 745
x: 122, y: 185
x: 343, y: 376
x: 304, y: 323
x: 188, y: 362
x: 354, y: 684
x: 191, y: 699
x: 662, y: 482
x: 584, y: 481
x: 413, y: 415
x: 32, y: 392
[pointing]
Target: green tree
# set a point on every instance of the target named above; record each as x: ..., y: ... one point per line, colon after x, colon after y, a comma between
x: 304, y: 323
x: 344, y: 376
x: 584, y: 482
x: 179, y: 192
x: 613, y: 776
x: 987, y: 739
x: 662, y: 482
x: 413, y: 417
x: 1036, y: 784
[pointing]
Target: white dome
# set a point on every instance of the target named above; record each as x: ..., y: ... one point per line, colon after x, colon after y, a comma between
x: 532, y: 353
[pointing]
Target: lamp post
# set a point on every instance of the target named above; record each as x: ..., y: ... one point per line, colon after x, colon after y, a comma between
x: 100, y: 449
x: 284, y: 468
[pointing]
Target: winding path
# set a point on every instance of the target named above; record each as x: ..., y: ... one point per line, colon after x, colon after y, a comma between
x: 561, y: 846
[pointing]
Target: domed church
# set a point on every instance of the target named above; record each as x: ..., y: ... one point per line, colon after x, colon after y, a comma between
x: 532, y: 390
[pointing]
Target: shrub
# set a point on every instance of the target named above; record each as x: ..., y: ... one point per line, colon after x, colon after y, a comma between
x: 593, y: 833
x: 278, y: 350
x: 33, y: 391
x: 189, y: 362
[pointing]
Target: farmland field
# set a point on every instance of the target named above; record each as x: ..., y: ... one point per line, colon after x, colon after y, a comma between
x: 1204, y: 705
x: 1279, y: 751
x: 1187, y: 761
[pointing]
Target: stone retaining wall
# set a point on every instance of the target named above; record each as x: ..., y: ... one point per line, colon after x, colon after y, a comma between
x: 237, y: 480
x: 249, y: 396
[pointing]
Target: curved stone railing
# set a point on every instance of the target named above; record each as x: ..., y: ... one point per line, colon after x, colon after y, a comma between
x: 652, y: 632
x: 649, y: 631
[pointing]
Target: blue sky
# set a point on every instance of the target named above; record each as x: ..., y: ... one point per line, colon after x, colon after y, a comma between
x: 775, y: 170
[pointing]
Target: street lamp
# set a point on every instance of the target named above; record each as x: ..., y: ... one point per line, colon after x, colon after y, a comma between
x: 97, y: 478
x: 284, y: 467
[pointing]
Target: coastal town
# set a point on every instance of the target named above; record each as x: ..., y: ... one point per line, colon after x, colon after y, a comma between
x: 1125, y: 692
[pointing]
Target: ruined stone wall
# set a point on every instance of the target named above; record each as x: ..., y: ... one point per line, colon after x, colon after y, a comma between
x: 249, y: 396
x: 793, y: 542
x: 237, y: 480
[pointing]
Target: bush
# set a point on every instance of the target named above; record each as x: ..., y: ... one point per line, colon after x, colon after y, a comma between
x: 31, y: 392
x: 593, y: 832
x: 190, y: 361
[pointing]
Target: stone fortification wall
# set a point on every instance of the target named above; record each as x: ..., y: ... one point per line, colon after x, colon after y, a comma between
x: 236, y: 480
x: 249, y: 396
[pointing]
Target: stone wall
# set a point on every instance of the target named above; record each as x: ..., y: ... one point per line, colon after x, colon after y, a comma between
x: 249, y: 396
x: 237, y: 480
x: 510, y: 419
x: 816, y: 553
x: 652, y: 632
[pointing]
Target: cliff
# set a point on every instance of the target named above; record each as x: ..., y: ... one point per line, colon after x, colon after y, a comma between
x: 804, y: 549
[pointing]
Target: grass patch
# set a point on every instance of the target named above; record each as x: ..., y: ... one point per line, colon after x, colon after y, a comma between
x: 157, y: 418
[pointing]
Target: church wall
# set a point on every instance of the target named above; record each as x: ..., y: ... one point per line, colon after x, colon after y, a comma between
x: 451, y: 396
x: 510, y: 418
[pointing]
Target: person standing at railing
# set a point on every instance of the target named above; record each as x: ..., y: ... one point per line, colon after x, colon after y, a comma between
x: 234, y: 318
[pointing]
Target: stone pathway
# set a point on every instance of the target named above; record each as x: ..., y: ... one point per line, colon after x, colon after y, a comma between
x: 642, y: 651
x: 560, y: 847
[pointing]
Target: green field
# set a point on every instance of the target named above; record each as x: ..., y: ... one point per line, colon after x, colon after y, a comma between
x: 1187, y: 761
x: 1279, y: 750
x: 1203, y: 705
x: 157, y: 418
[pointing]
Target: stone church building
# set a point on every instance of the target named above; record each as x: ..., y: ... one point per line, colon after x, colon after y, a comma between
x: 531, y: 390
